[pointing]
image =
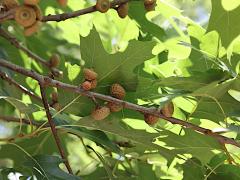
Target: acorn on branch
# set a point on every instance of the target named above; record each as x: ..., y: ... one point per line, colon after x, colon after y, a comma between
x: 28, y: 31
x: 168, y: 109
x: 117, y: 91
x: 25, y: 16
x: 89, y: 74
x: 10, y: 4
x: 54, y: 60
x: 150, y: 5
x: 54, y: 96
x: 114, y: 107
x: 86, y: 85
x: 122, y: 10
x: 57, y: 106
x: 100, y: 113
x: 150, y: 119
x: 103, y: 5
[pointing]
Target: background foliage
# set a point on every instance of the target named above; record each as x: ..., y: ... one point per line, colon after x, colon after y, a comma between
x: 184, y: 51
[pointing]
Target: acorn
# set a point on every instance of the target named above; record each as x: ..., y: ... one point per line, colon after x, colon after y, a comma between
x: 150, y: 119
x: 122, y: 10
x: 54, y: 96
x: 89, y: 74
x: 86, y: 85
x: 57, y: 106
x: 149, y: 5
x: 31, y: 2
x: 10, y: 4
x: 38, y: 12
x: 25, y: 16
x: 54, y: 60
x: 93, y: 84
x: 100, y: 113
x: 62, y: 3
x: 168, y: 109
x: 28, y: 31
x: 114, y: 107
x: 103, y: 5
x: 117, y: 91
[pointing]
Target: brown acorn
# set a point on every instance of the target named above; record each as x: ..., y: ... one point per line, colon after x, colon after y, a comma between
x: 54, y: 96
x: 168, y: 109
x: 57, y: 106
x: 10, y: 4
x: 122, y: 10
x: 149, y: 5
x: 89, y: 74
x: 93, y: 84
x: 86, y: 85
x: 25, y: 16
x: 62, y: 3
x: 28, y: 31
x: 100, y: 113
x: 54, y: 60
x: 38, y: 12
x: 150, y: 119
x: 103, y: 5
x: 117, y: 91
x: 31, y: 2
x: 114, y: 107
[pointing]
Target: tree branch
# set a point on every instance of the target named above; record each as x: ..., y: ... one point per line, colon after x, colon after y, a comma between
x: 11, y: 81
x: 53, y: 83
x: 29, y: 53
x: 65, y: 16
x: 53, y: 127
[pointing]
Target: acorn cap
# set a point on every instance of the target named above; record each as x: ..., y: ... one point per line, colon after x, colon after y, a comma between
x: 114, y: 107
x: 168, y: 109
x: 54, y: 60
x: 28, y: 31
x: 100, y: 113
x: 150, y: 119
x: 10, y: 4
x: 86, y: 85
x: 123, y: 10
x: 89, y: 74
x: 25, y: 16
x: 103, y: 5
x: 117, y: 91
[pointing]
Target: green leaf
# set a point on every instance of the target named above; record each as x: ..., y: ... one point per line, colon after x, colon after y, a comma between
x: 191, y: 143
x: 138, y: 13
x: 64, y: 122
x: 117, y: 67
x: 46, y: 166
x: 193, y: 169
x: 140, y: 138
x: 20, y: 105
x: 224, y: 22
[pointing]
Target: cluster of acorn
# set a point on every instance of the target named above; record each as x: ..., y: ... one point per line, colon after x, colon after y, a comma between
x: 28, y: 15
x: 167, y: 111
x: 100, y: 113
x: 122, y: 9
x: 117, y: 91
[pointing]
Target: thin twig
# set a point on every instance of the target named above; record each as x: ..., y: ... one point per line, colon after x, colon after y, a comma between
x: 65, y: 16
x: 11, y: 81
x: 25, y: 121
x: 53, y: 128
x: 53, y: 83
x: 29, y: 53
